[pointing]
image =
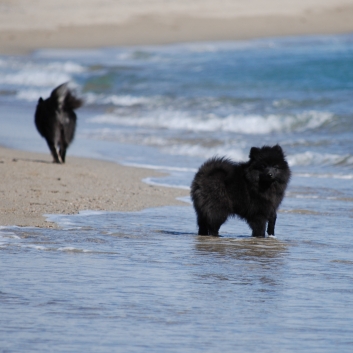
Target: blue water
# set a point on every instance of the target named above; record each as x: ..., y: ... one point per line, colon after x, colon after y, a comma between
x: 144, y: 281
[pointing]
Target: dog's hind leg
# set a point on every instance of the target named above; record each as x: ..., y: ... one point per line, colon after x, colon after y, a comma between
x: 215, y: 224
x: 214, y: 229
x: 62, y: 153
x: 209, y: 227
x: 63, y: 145
x: 54, y: 152
x: 258, y: 226
x: 203, y: 227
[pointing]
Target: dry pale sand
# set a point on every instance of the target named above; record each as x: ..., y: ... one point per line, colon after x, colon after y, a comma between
x: 27, y: 25
x: 31, y: 185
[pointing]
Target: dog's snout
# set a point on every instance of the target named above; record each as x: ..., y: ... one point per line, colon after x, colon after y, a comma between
x: 270, y: 173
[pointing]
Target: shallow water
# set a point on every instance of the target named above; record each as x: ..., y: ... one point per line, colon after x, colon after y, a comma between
x: 145, y: 281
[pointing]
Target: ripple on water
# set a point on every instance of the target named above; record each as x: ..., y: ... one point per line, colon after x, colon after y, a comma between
x: 145, y: 279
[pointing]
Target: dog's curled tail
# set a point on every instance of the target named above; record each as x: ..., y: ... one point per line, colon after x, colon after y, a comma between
x: 72, y: 102
x: 65, y: 98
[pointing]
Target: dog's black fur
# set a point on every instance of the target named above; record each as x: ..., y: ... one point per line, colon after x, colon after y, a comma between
x: 251, y: 190
x: 55, y: 120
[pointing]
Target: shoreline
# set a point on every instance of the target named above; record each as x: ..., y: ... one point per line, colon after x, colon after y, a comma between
x: 33, y: 186
x: 151, y: 29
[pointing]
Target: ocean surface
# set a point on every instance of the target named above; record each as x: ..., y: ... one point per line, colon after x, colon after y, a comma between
x: 144, y: 281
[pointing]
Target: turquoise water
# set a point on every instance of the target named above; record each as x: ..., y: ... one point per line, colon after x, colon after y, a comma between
x: 144, y: 281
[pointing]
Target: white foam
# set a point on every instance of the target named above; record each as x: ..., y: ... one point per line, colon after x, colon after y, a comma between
x: 9, y: 235
x: 159, y: 167
x: 30, y: 76
x: 63, y: 220
x: 305, y: 196
x: 314, y: 158
x: 32, y: 95
x: 36, y: 247
x: 245, y: 124
x: 90, y: 213
x: 207, y: 152
x: 149, y: 181
x: 68, y: 67
x: 325, y: 176
x: 72, y: 249
x: 72, y: 53
x: 118, y: 100
x: 37, y: 78
x: 185, y: 199
x: 8, y: 238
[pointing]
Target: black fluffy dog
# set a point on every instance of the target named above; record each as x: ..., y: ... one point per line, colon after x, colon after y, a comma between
x: 251, y: 190
x: 55, y: 120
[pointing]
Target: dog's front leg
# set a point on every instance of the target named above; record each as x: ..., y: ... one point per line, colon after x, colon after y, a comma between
x: 271, y: 224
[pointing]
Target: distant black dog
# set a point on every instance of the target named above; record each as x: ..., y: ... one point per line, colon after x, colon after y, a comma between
x: 251, y: 190
x: 55, y: 120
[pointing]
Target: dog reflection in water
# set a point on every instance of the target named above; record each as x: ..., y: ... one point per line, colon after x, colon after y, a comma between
x: 55, y: 120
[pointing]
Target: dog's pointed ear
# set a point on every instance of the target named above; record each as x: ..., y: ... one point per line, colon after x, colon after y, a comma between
x: 278, y: 149
x: 40, y: 100
x: 254, y: 152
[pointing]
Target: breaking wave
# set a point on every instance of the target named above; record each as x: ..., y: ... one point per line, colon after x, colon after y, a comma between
x: 314, y: 158
x: 244, y: 124
x: 118, y: 100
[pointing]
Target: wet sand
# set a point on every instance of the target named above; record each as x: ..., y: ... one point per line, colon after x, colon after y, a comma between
x: 95, y: 23
x: 32, y: 186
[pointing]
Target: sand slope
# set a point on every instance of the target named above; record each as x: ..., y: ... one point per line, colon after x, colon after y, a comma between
x: 27, y: 25
x: 32, y: 185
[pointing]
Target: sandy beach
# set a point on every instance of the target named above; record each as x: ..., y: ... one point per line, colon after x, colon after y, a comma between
x: 95, y: 23
x: 32, y: 186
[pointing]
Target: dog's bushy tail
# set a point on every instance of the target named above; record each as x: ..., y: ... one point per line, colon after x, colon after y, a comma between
x: 65, y: 98
x: 72, y: 102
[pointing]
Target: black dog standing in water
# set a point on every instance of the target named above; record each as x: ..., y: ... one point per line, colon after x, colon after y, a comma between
x: 251, y: 190
x: 55, y: 120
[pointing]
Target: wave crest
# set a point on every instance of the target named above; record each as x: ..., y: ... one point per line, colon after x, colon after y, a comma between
x: 244, y: 124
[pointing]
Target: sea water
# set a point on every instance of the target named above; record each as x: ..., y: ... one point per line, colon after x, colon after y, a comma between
x: 144, y: 281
